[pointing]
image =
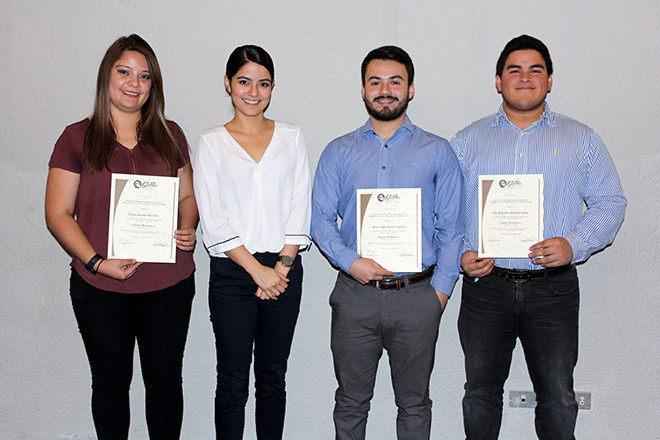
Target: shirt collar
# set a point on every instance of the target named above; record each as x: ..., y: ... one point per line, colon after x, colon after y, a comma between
x: 369, y: 128
x: 547, y: 117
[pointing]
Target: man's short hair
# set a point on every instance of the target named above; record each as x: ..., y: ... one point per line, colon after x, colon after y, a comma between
x: 390, y: 53
x: 524, y: 42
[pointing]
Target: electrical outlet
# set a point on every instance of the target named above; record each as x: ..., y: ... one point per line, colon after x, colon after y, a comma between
x: 522, y: 399
x: 527, y: 399
x: 583, y: 399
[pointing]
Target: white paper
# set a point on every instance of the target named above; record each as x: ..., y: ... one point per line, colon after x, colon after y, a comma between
x: 389, y: 227
x: 143, y: 217
x: 510, y: 214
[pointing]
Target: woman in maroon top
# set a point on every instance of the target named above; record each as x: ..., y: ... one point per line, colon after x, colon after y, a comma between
x: 119, y: 301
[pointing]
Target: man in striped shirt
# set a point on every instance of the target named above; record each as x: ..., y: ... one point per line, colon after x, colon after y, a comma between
x: 535, y: 299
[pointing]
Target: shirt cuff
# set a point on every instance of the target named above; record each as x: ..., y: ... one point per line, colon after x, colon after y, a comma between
x: 299, y: 239
x: 576, y: 243
x: 442, y: 283
x: 346, y: 259
x: 219, y: 249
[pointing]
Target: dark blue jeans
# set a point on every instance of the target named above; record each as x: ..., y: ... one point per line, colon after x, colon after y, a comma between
x: 241, y: 322
x: 110, y: 323
x: 543, y: 314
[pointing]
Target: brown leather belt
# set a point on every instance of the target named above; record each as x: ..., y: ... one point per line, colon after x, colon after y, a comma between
x: 401, y: 282
x: 526, y: 275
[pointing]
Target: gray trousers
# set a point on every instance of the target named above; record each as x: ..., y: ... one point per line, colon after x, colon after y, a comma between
x: 405, y: 323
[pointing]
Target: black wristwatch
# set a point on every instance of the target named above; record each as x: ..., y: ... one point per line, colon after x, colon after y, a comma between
x: 92, y: 262
x: 286, y: 260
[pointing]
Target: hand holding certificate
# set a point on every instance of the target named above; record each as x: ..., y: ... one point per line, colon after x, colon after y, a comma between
x: 143, y: 218
x: 510, y: 214
x: 389, y: 227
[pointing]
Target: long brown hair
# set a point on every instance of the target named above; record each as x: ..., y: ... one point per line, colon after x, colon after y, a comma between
x: 153, y: 133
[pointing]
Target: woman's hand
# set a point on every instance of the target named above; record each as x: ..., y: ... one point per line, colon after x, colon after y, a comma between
x: 185, y: 239
x: 262, y: 295
x: 186, y: 236
x: 118, y: 269
x: 271, y: 282
x: 283, y: 271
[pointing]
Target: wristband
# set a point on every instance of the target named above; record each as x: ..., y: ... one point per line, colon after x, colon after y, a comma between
x: 92, y: 262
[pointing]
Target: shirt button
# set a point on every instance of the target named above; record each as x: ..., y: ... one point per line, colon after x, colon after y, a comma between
x: 383, y: 167
x: 387, y: 146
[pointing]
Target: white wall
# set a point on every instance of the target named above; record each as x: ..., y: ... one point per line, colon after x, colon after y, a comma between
x: 606, y: 74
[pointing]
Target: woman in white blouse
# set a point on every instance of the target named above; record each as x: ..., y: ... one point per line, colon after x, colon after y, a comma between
x: 252, y: 183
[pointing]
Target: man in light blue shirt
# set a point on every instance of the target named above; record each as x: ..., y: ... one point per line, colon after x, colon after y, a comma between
x: 374, y: 308
x: 535, y: 299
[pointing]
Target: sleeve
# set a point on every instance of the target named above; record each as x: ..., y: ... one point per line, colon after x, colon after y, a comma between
x: 217, y: 232
x: 458, y: 146
x: 296, y: 228
x: 68, y: 150
x: 325, y: 207
x: 449, y: 212
x: 606, y: 204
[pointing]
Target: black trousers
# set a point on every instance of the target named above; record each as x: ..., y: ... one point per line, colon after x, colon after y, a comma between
x: 242, y: 322
x: 543, y: 314
x: 110, y: 323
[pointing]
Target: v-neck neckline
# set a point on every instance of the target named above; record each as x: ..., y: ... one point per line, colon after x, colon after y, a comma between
x: 245, y: 153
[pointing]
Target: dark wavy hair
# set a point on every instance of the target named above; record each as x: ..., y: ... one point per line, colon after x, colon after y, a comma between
x: 152, y: 130
x: 390, y: 53
x: 524, y: 42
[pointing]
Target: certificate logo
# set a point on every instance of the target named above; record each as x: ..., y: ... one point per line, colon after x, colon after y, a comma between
x: 387, y: 197
x: 146, y: 184
x: 509, y: 183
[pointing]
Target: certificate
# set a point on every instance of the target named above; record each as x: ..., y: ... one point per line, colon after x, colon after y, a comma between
x: 389, y: 227
x: 510, y: 214
x: 143, y: 217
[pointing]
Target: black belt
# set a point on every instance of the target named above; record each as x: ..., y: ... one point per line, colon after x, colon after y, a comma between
x: 526, y: 275
x: 401, y: 282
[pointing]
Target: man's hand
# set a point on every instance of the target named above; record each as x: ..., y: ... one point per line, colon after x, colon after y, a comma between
x: 366, y: 269
x: 442, y: 298
x: 553, y: 252
x: 476, y: 267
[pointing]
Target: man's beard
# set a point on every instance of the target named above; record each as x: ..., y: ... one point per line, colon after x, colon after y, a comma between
x: 386, y: 113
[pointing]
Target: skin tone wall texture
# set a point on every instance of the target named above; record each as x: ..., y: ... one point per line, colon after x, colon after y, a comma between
x: 606, y: 64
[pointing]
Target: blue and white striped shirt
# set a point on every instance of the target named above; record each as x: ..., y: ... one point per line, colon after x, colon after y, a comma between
x: 577, y: 170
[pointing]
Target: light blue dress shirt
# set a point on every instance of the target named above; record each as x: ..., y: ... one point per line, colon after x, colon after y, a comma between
x: 411, y: 158
x: 578, y: 173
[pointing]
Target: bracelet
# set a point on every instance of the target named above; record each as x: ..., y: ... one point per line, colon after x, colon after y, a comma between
x: 92, y: 262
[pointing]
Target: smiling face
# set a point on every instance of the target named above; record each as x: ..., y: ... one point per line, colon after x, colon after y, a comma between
x: 250, y: 89
x: 130, y: 83
x: 524, y: 83
x: 386, y: 91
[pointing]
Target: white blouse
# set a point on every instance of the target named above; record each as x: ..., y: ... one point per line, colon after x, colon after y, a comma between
x: 263, y: 205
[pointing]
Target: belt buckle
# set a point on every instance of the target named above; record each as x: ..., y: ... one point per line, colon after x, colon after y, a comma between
x: 393, y: 283
x: 521, y: 277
